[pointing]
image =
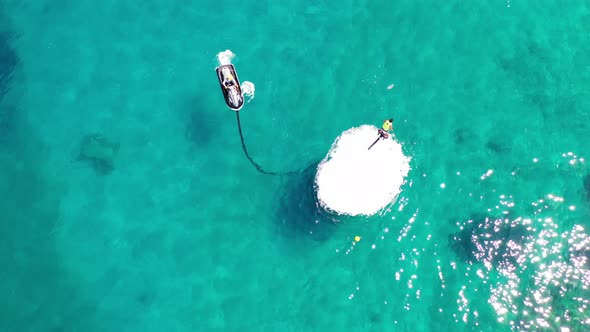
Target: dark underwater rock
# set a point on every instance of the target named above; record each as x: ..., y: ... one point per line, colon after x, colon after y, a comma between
x: 463, y: 135
x: 7, y: 121
x: 587, y: 186
x: 487, y: 240
x: 99, y: 151
x: 8, y: 60
x: 499, y: 147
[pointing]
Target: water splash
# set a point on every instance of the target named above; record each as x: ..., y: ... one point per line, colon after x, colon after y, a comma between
x: 353, y: 180
x: 225, y: 57
x: 248, y: 89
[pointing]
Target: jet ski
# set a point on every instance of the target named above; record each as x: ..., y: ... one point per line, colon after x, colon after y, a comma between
x: 230, y: 86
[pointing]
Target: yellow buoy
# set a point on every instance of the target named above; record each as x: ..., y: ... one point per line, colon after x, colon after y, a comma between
x: 357, y: 238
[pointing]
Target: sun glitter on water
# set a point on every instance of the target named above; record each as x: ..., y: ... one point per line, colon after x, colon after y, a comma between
x: 538, y: 268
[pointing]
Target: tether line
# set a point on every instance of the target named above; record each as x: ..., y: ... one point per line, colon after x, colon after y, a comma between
x: 256, y: 165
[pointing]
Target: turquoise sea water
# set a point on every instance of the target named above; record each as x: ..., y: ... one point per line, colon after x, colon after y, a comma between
x: 182, y: 234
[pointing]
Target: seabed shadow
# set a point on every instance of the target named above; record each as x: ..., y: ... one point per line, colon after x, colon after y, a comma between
x: 38, y: 292
x: 200, y: 128
x: 299, y: 212
x: 586, y: 184
x: 8, y: 61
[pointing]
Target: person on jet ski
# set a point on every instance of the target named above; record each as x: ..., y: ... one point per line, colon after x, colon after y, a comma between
x: 228, y: 78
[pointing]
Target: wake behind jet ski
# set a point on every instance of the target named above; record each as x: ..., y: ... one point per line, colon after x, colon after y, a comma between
x: 230, y: 86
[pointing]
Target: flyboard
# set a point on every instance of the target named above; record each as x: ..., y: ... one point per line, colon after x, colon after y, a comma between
x: 382, y: 135
x: 230, y: 86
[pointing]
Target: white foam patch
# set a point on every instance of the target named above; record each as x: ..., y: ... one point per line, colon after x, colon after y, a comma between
x: 248, y: 89
x: 225, y: 57
x: 352, y: 180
